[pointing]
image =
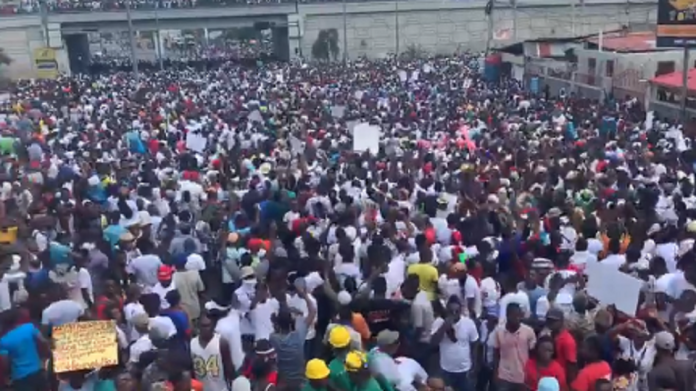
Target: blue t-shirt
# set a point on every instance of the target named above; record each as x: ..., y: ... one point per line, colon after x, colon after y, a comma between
x: 20, y: 346
x: 113, y: 233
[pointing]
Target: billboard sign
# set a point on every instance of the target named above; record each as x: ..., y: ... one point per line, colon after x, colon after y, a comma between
x: 676, y: 23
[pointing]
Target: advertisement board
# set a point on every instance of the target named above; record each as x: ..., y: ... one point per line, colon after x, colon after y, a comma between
x: 676, y: 23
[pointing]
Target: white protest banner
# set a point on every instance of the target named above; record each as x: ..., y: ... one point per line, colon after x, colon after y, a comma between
x: 255, y: 116
x: 403, y: 76
x: 611, y: 287
x: 338, y: 111
x: 366, y: 138
x: 296, y: 146
x: 427, y: 68
x: 414, y: 75
x: 358, y: 95
x: 195, y: 141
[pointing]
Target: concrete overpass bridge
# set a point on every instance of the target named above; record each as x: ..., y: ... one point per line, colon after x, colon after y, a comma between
x: 372, y: 28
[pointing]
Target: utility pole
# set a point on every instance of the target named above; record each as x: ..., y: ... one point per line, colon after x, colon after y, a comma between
x: 43, y: 9
x: 489, y: 33
x: 514, y: 20
x: 345, y: 32
x: 572, y: 12
x: 158, y: 40
x: 131, y: 35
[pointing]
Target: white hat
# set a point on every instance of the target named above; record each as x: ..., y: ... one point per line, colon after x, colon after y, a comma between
x: 344, y: 298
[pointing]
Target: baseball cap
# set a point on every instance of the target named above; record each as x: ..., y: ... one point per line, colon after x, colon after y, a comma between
x: 164, y: 273
x: 316, y: 369
x: 339, y: 337
x: 247, y: 271
x: 665, y: 340
x: 387, y: 337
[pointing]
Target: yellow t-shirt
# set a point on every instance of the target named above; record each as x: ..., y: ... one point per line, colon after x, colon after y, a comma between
x: 427, y: 278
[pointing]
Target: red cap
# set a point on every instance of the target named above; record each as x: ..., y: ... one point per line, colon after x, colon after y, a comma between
x: 164, y: 273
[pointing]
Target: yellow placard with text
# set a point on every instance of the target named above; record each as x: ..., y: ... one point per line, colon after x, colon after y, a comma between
x: 84, y: 345
x: 46, y: 63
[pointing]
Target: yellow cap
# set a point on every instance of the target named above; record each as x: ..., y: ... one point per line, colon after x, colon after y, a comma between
x: 355, y: 361
x: 339, y: 337
x: 317, y: 369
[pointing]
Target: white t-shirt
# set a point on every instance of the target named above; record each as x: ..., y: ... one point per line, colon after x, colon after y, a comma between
x: 564, y: 301
x: 228, y: 328
x: 145, y: 269
x: 300, y: 304
x: 422, y: 315
x: 261, y: 318
x: 490, y: 292
x: 85, y: 282
x: 162, y: 293
x: 520, y: 298
x: 165, y: 324
x: 668, y: 251
x: 455, y: 357
x: 644, y: 358
x: 140, y: 346
x: 195, y: 262
x: 61, y: 312
x: 409, y: 372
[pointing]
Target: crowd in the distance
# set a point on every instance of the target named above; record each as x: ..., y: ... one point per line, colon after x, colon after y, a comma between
x: 67, y: 6
x: 240, y: 238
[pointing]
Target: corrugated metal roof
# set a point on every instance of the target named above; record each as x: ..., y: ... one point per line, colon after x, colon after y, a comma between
x: 626, y: 42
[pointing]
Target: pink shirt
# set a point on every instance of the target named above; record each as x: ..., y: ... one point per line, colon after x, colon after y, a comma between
x: 514, y: 352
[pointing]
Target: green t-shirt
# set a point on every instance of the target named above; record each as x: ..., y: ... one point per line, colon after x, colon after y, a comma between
x: 371, y: 385
x: 338, y: 377
x: 7, y: 145
x: 308, y: 387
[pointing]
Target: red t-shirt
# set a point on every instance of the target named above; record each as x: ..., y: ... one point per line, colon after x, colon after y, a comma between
x: 566, y: 349
x: 532, y: 374
x: 590, y: 374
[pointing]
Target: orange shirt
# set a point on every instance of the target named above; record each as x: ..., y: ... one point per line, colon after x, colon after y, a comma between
x: 360, y: 325
x: 589, y: 375
x: 625, y: 241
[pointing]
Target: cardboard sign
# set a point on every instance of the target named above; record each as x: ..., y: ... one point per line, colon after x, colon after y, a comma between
x: 603, y: 281
x: 84, y: 345
x: 196, y: 142
x: 366, y: 138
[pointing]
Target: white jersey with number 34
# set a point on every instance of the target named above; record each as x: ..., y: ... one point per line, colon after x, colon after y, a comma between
x: 207, y: 364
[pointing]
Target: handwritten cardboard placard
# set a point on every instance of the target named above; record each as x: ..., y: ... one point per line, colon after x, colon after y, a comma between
x: 84, y: 345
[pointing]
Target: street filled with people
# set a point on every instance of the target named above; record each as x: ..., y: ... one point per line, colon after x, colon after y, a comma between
x: 220, y: 228
x: 24, y: 7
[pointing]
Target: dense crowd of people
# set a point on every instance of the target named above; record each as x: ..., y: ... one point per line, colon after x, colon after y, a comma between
x: 239, y: 238
x: 68, y: 6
